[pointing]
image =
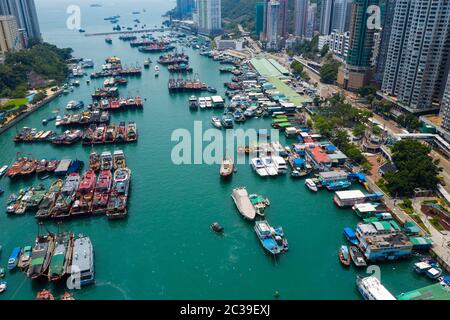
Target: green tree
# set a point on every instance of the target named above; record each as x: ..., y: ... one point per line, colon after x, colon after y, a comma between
x: 359, y: 129
x: 329, y: 71
x: 416, y: 169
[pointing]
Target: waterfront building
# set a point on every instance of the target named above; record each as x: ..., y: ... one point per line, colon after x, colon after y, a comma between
x: 357, y: 71
x: 26, y: 16
x: 10, y: 38
x: 185, y: 8
x: 417, y: 61
x: 259, y: 19
x: 301, y: 17
x: 209, y: 17
x: 326, y: 16
x: 340, y: 15
x: 229, y: 44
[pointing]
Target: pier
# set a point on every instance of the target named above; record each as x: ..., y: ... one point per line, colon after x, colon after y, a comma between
x: 95, y: 34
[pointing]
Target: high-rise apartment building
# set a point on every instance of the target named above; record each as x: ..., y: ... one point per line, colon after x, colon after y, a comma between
x: 340, y: 15
x: 445, y: 107
x: 185, y: 8
x: 209, y: 17
x: 26, y: 17
x: 301, y: 17
x: 259, y: 18
x: 326, y: 15
x: 417, y: 61
x: 10, y: 39
x: 311, y: 21
x: 271, y: 24
x: 284, y: 19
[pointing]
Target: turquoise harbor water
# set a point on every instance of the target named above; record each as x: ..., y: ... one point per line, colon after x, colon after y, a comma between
x: 165, y: 249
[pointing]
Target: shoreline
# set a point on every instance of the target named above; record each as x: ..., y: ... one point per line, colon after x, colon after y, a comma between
x: 31, y: 110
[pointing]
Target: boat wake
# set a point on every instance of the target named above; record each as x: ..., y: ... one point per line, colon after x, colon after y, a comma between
x: 112, y: 285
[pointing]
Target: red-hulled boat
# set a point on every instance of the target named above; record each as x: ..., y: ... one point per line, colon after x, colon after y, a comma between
x: 102, y: 191
x: 85, y: 194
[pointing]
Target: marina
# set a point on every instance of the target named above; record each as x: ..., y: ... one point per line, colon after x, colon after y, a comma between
x: 168, y: 199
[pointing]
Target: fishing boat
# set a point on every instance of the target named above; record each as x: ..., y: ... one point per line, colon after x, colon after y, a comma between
x: 216, y: 122
x: 83, y: 260
x: 62, y: 256
x: 202, y: 102
x: 74, y: 105
x: 14, y: 258
x: 147, y: 63
x: 119, y: 159
x: 102, y: 191
x: 350, y: 235
x: 41, y: 255
x: 121, y: 133
x: 193, y: 103
x: 311, y: 185
x: 106, y: 161
x: 132, y: 132
x: 42, y: 166
x: 52, y: 165
x: 49, y: 199
x: 108, y: 40
x: 25, y: 257
x: 421, y: 267
x: 66, y: 197
x: 344, y: 256
x: 260, y: 203
x: 227, y: 121
x: 226, y: 168
x: 44, y: 295
x: 259, y: 167
x: 272, y: 239
x: 357, y: 257
x: 244, y: 205
x: 94, y: 161
x: 117, y: 203
x: 85, y: 194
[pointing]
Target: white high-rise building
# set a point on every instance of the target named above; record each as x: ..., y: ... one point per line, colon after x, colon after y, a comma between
x: 9, y: 35
x: 209, y: 16
x: 272, y: 24
x: 445, y: 107
x: 326, y: 17
x: 417, y: 62
x: 311, y: 21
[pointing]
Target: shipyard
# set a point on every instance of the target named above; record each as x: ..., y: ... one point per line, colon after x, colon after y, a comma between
x: 302, y: 200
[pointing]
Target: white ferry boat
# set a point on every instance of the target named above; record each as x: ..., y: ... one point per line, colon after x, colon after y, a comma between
x: 372, y: 289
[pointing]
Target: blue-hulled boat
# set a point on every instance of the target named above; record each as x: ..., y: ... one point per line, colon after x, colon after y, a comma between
x: 227, y: 121
x: 14, y: 258
x: 75, y: 166
x: 339, y: 185
x: 272, y: 239
x: 351, y: 236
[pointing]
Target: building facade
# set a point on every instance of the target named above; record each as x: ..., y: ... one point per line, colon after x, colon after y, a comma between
x: 417, y: 62
x: 272, y: 24
x: 340, y: 15
x: 185, y: 8
x: 311, y: 21
x: 284, y: 19
x: 10, y: 38
x: 337, y: 43
x: 301, y: 17
x: 259, y: 18
x: 326, y: 15
x: 445, y: 107
x: 209, y: 17
x: 26, y: 16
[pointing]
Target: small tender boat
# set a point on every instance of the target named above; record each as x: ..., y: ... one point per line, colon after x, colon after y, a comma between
x: 14, y: 258
x: 216, y: 122
x: 226, y: 168
x: 357, y: 257
x: 311, y: 185
x: 45, y: 295
x: 216, y: 227
x: 344, y: 256
x: 421, y: 267
x: 3, y: 170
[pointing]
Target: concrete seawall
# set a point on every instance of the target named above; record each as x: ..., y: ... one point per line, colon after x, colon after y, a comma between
x: 30, y: 111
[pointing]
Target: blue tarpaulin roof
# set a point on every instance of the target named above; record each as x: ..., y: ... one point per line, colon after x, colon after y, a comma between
x: 298, y: 162
x: 330, y: 147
